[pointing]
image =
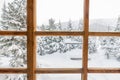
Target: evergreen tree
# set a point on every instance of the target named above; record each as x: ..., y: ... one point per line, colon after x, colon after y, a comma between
x: 70, y: 25
x: 92, y: 46
x: 51, y: 25
x: 42, y: 27
x: 59, y: 26
x: 80, y: 25
x: 14, y: 18
x: 118, y: 25
x: 110, y: 45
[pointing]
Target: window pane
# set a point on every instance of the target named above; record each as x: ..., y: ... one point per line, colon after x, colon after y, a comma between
x: 58, y: 76
x: 105, y: 16
x: 104, y: 76
x: 104, y: 52
x: 59, y: 52
x: 13, y: 15
x: 13, y: 52
x: 13, y: 77
x: 60, y: 15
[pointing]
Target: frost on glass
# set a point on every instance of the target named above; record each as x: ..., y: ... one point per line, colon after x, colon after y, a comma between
x: 60, y: 15
x: 13, y: 52
x: 13, y: 77
x: 58, y: 76
x: 104, y: 76
x: 104, y: 16
x: 13, y: 15
x: 59, y: 52
x: 105, y: 52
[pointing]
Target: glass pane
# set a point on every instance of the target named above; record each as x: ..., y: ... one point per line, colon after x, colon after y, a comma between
x: 60, y: 15
x: 104, y: 76
x: 13, y: 77
x: 59, y: 52
x: 13, y: 52
x: 13, y: 15
x: 104, y: 52
x: 105, y: 16
x: 58, y: 76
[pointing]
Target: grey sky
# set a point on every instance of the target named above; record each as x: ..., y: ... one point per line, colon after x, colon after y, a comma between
x: 73, y: 9
x: 104, y: 9
x: 59, y: 9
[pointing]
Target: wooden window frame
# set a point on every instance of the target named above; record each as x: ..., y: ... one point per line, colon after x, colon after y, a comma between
x: 31, y: 34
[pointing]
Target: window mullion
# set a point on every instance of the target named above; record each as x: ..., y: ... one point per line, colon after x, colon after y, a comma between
x: 85, y: 40
x: 31, y: 41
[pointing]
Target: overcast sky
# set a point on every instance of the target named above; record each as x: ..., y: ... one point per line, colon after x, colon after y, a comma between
x: 73, y: 9
x: 65, y: 9
x: 104, y: 9
x: 59, y: 9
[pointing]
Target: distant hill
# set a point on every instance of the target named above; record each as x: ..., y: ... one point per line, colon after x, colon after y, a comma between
x: 96, y: 25
x: 100, y: 25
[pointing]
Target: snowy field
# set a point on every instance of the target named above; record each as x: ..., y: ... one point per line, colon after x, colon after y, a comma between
x: 78, y: 77
x: 63, y: 60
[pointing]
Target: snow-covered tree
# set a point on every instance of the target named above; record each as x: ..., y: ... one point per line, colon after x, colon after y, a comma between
x: 80, y: 25
x: 117, y: 29
x: 111, y: 46
x: 49, y: 45
x: 59, y: 25
x: 92, y: 47
x: 14, y: 18
x: 69, y: 25
x: 42, y: 27
x: 51, y: 25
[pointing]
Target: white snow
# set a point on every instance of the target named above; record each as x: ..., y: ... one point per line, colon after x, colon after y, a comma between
x: 59, y: 77
x: 60, y: 60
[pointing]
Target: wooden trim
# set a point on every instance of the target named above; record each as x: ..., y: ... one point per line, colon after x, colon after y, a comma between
x: 13, y: 70
x: 85, y: 40
x: 58, y: 33
x: 13, y: 33
x: 31, y: 41
x: 104, y: 33
x: 104, y: 70
x: 59, y: 70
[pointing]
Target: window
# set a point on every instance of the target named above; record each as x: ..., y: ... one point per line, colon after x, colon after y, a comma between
x: 59, y: 39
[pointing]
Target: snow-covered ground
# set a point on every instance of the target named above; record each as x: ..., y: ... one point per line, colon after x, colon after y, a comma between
x: 59, y: 77
x: 63, y: 60
x: 78, y: 77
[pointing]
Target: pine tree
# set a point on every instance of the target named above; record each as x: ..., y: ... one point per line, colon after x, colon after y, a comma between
x: 51, y: 25
x: 80, y: 25
x: 14, y: 18
x: 92, y: 48
x: 43, y: 27
x: 59, y: 26
x: 70, y: 25
x: 118, y: 25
